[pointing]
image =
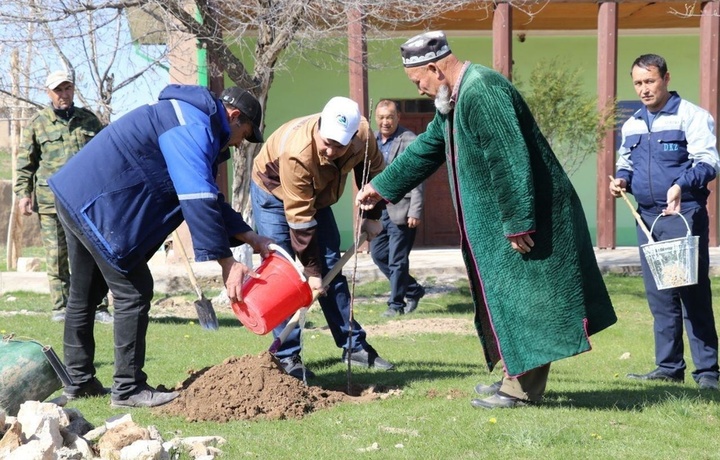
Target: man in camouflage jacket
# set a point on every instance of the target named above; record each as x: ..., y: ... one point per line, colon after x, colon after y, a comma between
x: 50, y: 139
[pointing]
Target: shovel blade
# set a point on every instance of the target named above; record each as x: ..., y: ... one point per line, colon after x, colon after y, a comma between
x: 206, y: 314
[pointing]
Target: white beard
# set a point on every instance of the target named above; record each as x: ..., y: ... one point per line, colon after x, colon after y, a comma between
x: 442, y: 100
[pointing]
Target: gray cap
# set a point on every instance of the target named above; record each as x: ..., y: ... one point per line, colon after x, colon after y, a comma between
x: 424, y: 48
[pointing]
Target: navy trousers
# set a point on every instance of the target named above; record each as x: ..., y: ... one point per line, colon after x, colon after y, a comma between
x: 390, y: 251
x: 691, y: 305
x: 270, y: 221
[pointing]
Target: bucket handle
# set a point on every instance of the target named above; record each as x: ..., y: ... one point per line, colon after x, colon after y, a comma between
x: 285, y: 254
x: 689, y: 233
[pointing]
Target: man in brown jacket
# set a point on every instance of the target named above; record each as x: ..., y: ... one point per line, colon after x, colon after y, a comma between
x: 298, y: 175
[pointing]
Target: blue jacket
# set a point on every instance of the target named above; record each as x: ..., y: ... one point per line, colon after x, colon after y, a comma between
x: 679, y: 148
x: 136, y: 181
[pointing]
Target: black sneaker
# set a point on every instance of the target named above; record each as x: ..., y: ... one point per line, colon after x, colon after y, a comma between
x: 293, y: 366
x: 145, y: 396
x: 367, y: 358
x: 89, y: 389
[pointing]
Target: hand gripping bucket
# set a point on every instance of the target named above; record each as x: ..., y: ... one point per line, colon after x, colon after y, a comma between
x: 280, y: 291
x: 673, y: 263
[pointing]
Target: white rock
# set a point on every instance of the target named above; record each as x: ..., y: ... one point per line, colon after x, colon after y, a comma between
x: 2, y: 421
x: 70, y: 454
x: 172, y: 445
x: 42, y: 421
x: 94, y: 435
x: 34, y: 450
x: 155, y: 433
x: 144, y: 450
x: 82, y: 446
x: 204, y: 440
x: 31, y: 413
x: 117, y: 420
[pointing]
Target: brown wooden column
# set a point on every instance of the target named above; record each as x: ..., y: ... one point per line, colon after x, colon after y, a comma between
x: 709, y: 80
x: 502, y: 38
x: 607, y: 89
x: 357, y: 70
x: 357, y: 62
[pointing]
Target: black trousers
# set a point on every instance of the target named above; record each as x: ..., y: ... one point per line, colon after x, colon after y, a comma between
x: 90, y: 278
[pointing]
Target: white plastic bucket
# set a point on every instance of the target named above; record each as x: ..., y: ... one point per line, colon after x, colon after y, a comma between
x: 673, y: 263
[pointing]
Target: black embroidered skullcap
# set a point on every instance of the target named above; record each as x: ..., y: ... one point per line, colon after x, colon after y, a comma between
x: 424, y: 48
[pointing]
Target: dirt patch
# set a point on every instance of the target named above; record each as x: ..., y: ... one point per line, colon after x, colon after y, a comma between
x: 253, y: 387
x: 175, y: 306
x: 405, y: 326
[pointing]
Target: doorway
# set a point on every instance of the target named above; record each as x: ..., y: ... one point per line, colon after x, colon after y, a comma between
x: 438, y: 225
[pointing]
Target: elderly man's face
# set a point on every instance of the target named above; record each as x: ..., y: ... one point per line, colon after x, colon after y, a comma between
x: 427, y: 81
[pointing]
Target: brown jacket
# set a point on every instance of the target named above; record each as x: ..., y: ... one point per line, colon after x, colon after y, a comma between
x: 289, y: 167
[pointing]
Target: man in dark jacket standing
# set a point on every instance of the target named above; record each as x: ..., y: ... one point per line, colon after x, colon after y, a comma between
x: 390, y: 250
x: 667, y: 157
x: 122, y: 195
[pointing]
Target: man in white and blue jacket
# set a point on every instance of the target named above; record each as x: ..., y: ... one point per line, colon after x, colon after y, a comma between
x: 667, y: 158
x: 122, y: 195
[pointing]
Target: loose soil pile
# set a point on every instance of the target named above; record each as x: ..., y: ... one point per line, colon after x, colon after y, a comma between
x: 250, y: 387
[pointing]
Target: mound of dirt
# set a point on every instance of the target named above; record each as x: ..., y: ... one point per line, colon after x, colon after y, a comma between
x: 245, y: 388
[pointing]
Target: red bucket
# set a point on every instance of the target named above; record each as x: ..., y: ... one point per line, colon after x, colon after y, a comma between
x: 280, y: 291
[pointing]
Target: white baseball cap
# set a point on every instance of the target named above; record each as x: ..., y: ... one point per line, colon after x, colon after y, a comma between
x: 340, y: 120
x: 56, y: 78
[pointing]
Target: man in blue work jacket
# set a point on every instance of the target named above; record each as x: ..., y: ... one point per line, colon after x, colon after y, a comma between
x: 122, y: 195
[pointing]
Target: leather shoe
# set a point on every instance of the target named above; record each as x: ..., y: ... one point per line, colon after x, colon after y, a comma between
x: 145, y: 396
x: 657, y: 374
x: 412, y: 304
x: 491, y: 389
x: 367, y: 358
x: 89, y: 389
x: 708, y: 383
x: 499, y: 400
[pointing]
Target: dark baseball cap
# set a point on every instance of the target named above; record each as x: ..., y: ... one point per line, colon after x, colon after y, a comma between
x: 250, y: 107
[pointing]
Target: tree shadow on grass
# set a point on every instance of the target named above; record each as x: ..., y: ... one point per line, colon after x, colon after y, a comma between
x: 628, y: 399
x: 222, y: 322
x: 332, y: 373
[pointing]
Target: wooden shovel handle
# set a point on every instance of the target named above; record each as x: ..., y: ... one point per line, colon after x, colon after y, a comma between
x: 638, y: 219
x: 181, y: 248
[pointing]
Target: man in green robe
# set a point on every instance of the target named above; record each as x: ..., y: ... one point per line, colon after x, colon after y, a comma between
x: 536, y: 286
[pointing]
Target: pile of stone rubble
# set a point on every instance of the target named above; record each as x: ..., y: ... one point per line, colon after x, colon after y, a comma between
x: 48, y: 431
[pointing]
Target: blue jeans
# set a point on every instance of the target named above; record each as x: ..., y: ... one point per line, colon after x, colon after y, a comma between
x: 90, y: 277
x: 691, y: 305
x: 270, y: 221
x: 390, y: 251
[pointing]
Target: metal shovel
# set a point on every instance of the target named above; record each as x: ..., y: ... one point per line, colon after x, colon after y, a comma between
x: 203, y: 306
x: 295, y: 319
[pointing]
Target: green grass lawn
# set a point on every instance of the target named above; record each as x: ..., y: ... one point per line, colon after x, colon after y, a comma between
x: 591, y: 410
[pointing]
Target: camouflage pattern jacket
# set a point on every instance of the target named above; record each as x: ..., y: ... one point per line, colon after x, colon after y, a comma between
x: 47, y: 144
